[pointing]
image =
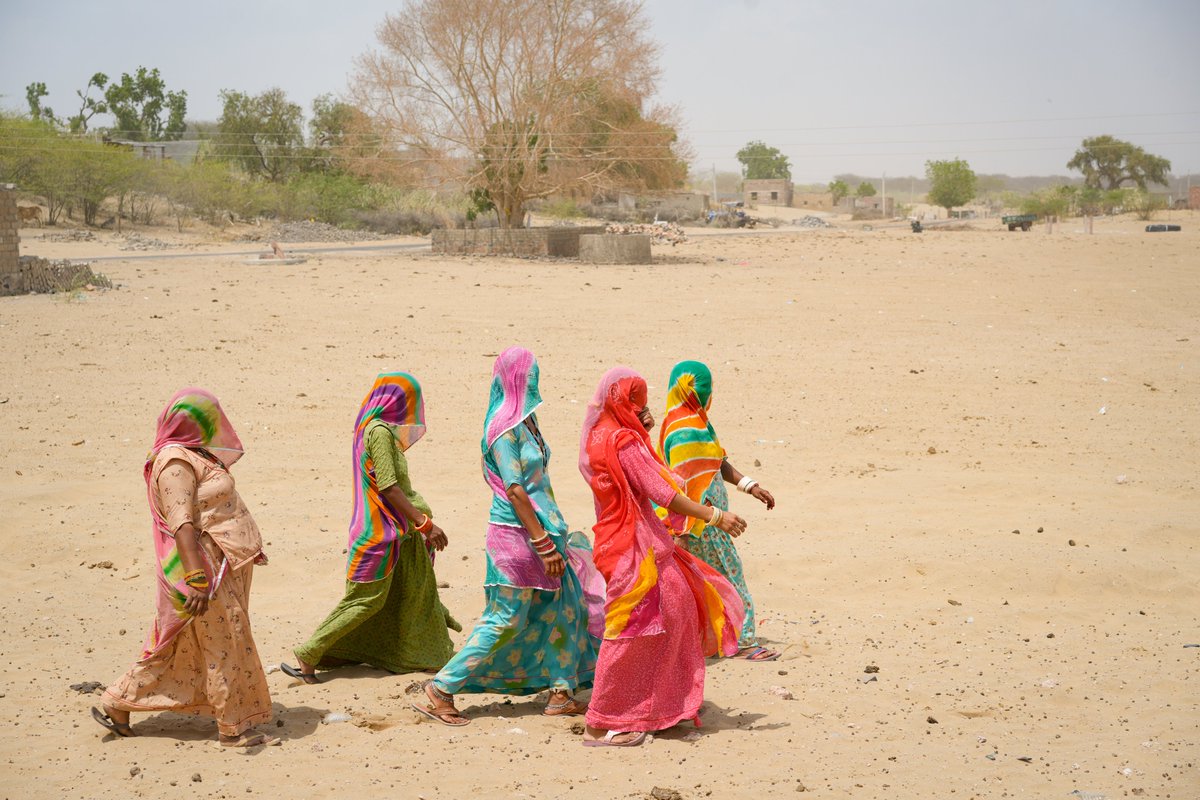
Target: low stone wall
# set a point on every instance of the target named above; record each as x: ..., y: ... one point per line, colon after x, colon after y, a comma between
x: 10, y: 253
x: 526, y: 242
x: 609, y: 248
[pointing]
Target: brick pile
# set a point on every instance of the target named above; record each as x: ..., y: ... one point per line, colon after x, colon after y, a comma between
x: 10, y: 252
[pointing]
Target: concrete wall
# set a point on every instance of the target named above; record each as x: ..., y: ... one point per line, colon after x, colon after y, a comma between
x: 822, y: 201
x: 10, y: 261
x: 526, y: 242
x: 610, y: 248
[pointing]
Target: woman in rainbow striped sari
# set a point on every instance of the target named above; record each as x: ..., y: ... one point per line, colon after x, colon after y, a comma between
x: 199, y: 656
x: 664, y: 610
x: 390, y: 616
x: 541, y: 627
x: 689, y: 446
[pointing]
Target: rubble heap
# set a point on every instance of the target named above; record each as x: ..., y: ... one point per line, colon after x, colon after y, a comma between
x: 659, y: 232
x: 41, y: 276
x: 812, y: 222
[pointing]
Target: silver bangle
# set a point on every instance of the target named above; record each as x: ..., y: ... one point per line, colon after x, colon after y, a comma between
x: 746, y: 484
x: 715, y: 519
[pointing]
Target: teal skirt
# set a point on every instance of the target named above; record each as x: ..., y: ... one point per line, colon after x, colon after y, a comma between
x: 528, y: 640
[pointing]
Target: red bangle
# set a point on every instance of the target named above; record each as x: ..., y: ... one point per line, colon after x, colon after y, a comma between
x: 426, y: 525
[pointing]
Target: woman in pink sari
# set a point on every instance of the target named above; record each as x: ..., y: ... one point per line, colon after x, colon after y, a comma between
x: 665, y: 610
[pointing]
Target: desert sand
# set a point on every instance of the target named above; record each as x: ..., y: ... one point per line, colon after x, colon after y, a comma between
x: 983, y: 444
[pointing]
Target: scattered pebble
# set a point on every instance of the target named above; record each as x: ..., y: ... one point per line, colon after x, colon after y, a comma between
x: 102, y: 565
x: 577, y: 728
x: 779, y: 691
x: 196, y: 777
x: 134, y: 771
x: 870, y: 668
x: 953, y: 602
x: 931, y: 720
x: 661, y: 793
x: 1026, y: 759
x: 1071, y: 542
x: 867, y: 678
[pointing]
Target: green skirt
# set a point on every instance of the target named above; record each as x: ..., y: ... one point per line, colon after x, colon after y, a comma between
x: 397, y: 623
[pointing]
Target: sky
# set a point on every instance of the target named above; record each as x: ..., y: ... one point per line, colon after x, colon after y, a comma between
x: 864, y: 87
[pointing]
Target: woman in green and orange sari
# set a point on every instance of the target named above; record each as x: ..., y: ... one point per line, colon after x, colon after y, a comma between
x: 390, y: 616
x: 689, y: 446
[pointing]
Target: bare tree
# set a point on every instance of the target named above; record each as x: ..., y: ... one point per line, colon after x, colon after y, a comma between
x: 521, y: 99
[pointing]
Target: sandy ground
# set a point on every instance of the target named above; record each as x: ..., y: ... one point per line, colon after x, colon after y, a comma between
x: 983, y: 444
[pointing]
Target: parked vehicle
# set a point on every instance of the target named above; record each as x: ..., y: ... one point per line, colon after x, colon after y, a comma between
x: 1022, y: 221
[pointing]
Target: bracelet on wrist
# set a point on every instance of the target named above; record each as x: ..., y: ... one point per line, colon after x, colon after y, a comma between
x: 715, y: 519
x: 426, y: 525
x: 746, y: 484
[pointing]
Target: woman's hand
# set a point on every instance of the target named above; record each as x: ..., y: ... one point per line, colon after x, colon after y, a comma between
x: 553, y: 564
x: 196, y: 602
x: 732, y: 524
x: 436, y: 538
x: 646, y: 418
x: 763, y: 496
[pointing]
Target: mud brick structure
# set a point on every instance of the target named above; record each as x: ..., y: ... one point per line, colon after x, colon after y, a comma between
x: 10, y: 254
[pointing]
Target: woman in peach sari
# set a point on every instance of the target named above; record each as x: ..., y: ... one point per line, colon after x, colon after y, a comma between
x: 199, y: 656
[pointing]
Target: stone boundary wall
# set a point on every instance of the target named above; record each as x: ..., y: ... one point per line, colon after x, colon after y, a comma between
x: 610, y: 248
x: 526, y: 242
x: 10, y: 253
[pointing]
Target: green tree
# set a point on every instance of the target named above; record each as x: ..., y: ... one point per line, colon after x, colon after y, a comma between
x: 951, y: 183
x: 760, y: 161
x: 139, y: 102
x: 1107, y: 162
x: 89, y: 106
x: 34, y: 93
x: 839, y: 190
x: 865, y: 189
x: 263, y: 134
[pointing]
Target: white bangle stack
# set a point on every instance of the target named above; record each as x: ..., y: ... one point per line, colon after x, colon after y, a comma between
x: 746, y: 484
x: 715, y: 519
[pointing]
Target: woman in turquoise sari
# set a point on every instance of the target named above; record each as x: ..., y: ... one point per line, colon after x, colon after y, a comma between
x: 544, y: 616
x: 689, y: 446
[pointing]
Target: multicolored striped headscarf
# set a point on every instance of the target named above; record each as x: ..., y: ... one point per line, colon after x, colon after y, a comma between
x: 194, y: 419
x: 687, y: 442
x: 396, y: 400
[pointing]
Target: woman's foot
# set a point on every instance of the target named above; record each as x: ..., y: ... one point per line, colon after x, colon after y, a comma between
x: 756, y: 653
x: 249, y: 739
x: 115, y: 720
x: 441, y: 707
x: 598, y: 737
x: 562, y: 704
x: 307, y: 672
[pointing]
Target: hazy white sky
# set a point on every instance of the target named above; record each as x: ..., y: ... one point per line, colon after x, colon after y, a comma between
x: 866, y: 86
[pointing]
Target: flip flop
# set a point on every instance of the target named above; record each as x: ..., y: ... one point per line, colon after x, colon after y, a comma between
x: 308, y: 677
x: 571, y: 708
x: 607, y: 741
x: 438, y: 713
x: 757, y: 653
x: 119, y: 728
x: 254, y: 740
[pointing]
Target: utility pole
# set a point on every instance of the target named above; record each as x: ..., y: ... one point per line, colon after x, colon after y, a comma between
x: 716, y: 200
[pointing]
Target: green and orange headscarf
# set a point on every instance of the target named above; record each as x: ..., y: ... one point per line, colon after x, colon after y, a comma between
x: 687, y: 442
